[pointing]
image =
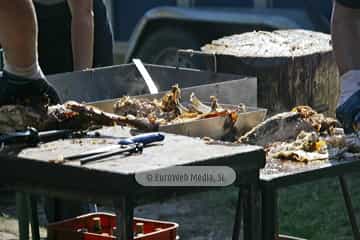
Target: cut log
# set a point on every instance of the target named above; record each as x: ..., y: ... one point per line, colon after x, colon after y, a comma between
x: 293, y: 67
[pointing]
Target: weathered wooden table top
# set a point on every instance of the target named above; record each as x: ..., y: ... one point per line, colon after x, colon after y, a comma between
x: 281, y: 173
x: 174, y: 150
x: 34, y: 167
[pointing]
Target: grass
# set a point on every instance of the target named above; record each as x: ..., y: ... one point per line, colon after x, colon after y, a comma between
x: 317, y: 211
x: 313, y: 211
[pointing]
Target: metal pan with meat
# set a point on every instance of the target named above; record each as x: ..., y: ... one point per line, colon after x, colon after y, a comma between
x: 189, y: 117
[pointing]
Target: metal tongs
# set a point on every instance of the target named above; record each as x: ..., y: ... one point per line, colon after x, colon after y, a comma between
x: 129, y: 145
x: 102, y: 153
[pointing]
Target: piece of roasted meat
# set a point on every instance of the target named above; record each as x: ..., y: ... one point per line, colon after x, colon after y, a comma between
x: 318, y: 121
x: 302, y: 135
x: 164, y: 110
x: 307, y: 147
x: 280, y: 127
x: 287, y: 126
x: 169, y: 108
x: 313, y: 146
x: 70, y: 115
x: 18, y: 117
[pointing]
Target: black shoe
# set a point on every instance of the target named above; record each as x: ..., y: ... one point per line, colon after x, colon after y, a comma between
x: 19, y: 90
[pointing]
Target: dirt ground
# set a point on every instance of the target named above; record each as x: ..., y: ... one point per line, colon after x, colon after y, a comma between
x: 197, y: 220
x: 313, y: 211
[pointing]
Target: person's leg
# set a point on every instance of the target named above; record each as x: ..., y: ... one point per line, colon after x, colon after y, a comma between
x: 18, y: 31
x: 22, y: 81
x: 346, y: 37
x: 18, y: 37
x: 55, y: 53
x: 103, y: 37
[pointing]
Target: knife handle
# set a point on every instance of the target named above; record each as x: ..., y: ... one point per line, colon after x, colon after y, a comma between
x: 145, y: 139
x: 29, y: 136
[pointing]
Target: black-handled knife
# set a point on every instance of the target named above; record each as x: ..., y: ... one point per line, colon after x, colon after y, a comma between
x: 32, y: 137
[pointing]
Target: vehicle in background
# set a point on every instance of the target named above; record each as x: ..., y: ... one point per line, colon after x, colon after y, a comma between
x: 153, y: 30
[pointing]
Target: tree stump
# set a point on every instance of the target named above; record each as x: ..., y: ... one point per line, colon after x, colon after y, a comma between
x: 293, y: 67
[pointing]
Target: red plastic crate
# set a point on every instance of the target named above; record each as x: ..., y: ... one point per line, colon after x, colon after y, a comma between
x: 68, y: 229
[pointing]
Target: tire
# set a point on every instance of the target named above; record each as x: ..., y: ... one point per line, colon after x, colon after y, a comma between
x: 161, y: 47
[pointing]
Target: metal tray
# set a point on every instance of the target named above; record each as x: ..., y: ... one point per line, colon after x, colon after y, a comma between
x: 216, y: 127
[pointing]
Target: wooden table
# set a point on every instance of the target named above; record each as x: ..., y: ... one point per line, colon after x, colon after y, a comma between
x: 278, y: 174
x: 113, y: 179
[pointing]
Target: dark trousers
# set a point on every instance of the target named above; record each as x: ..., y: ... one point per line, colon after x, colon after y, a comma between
x: 55, y: 51
x: 350, y: 3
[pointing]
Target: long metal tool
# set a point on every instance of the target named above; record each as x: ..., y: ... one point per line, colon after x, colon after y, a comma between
x: 135, y: 148
x: 145, y: 74
x: 129, y: 145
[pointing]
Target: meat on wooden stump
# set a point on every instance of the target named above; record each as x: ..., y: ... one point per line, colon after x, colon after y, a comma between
x: 293, y: 66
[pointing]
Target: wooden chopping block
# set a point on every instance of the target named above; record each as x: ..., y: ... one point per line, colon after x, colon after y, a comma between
x: 293, y: 67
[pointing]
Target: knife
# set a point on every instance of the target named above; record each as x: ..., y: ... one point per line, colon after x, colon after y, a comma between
x: 32, y: 137
x: 145, y: 139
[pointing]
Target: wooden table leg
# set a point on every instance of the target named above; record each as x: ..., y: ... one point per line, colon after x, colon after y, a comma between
x: 238, y: 216
x: 124, y: 209
x: 34, y: 219
x: 252, y: 214
x: 349, y: 207
x: 22, y: 215
x: 269, y: 213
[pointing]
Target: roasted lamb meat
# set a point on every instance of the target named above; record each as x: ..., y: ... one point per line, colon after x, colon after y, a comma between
x: 287, y: 126
x: 70, y: 115
x: 169, y: 108
x: 18, y: 117
x: 302, y: 135
x: 307, y: 147
x: 164, y: 110
x: 281, y: 127
x: 94, y: 116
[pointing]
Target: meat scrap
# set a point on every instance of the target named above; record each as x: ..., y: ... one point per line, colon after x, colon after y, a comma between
x: 301, y: 135
x: 306, y: 148
x: 288, y: 125
x: 161, y: 110
x: 18, y: 117
x: 95, y: 116
x: 319, y: 122
x: 70, y: 115
x: 312, y: 146
x: 278, y: 128
x: 170, y: 110
x: 301, y: 156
